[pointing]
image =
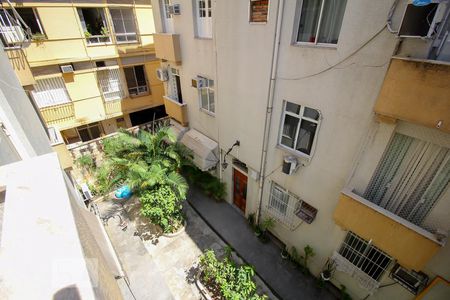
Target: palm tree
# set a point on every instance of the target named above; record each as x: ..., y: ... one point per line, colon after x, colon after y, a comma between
x: 145, y: 161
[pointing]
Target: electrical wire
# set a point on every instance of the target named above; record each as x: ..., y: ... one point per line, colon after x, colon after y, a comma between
x: 339, y: 62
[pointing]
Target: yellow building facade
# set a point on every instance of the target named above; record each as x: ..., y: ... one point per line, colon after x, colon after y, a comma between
x: 90, y: 67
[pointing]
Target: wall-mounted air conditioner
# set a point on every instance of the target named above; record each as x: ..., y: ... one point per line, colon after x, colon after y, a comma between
x: 175, y: 9
x: 162, y: 74
x: 290, y: 165
x: 66, y: 68
x: 409, y: 279
x: 421, y: 21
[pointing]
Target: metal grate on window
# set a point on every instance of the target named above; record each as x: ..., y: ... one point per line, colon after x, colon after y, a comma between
x: 365, y: 256
x: 50, y: 91
x: 110, y: 84
x: 283, y: 207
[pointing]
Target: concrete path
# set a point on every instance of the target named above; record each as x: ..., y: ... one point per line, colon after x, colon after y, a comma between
x: 286, y: 281
x: 145, y: 279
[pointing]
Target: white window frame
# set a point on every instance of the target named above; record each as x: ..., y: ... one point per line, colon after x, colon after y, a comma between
x: 209, y: 90
x: 127, y: 34
x: 172, y: 85
x: 137, y: 87
x: 111, y: 86
x: 95, y: 39
x: 358, y: 259
x: 300, y: 117
x: 295, y: 40
x: 203, y: 24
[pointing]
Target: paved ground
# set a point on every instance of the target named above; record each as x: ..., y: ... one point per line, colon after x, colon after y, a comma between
x: 167, y: 271
x: 284, y: 279
x: 145, y: 279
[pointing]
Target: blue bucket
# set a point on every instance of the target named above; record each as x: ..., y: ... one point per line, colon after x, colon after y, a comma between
x: 123, y: 192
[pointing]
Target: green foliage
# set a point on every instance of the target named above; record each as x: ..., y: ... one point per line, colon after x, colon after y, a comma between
x: 163, y: 207
x: 344, y: 294
x: 85, y: 162
x: 309, y: 252
x: 267, y: 224
x: 210, y: 184
x: 104, y: 31
x: 302, y: 260
x: 232, y: 281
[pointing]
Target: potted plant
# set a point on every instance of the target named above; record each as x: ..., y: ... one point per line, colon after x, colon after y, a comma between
x: 284, y: 253
x: 266, y: 224
x: 328, y: 271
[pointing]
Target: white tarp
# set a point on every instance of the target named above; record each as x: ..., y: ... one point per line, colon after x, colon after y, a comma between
x: 205, y: 150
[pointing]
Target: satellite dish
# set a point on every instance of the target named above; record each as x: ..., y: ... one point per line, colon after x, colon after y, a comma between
x: 421, y: 2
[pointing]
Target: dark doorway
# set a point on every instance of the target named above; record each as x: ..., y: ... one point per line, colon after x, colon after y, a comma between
x: 147, y: 115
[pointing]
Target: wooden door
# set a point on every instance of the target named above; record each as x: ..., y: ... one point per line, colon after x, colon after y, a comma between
x: 239, y: 189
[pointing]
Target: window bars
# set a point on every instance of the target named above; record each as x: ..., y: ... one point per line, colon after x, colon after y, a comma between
x: 282, y: 206
x: 14, y: 32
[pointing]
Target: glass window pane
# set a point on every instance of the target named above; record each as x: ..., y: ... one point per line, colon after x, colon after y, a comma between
x: 129, y: 76
x: 292, y: 107
x: 95, y: 132
x: 311, y: 113
x: 117, y: 20
x: 204, y: 98
x: 211, y: 83
x: 29, y: 18
x: 332, y: 16
x: 140, y: 75
x: 309, y: 20
x: 289, y: 130
x: 306, y: 136
x: 211, y: 101
x: 84, y: 135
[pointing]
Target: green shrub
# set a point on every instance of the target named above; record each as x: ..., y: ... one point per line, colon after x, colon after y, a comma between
x: 230, y: 280
x: 85, y: 162
x: 162, y: 206
x: 210, y: 184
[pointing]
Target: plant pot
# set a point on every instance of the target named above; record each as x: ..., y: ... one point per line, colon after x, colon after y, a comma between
x: 325, y: 276
x: 284, y: 254
x: 178, y: 232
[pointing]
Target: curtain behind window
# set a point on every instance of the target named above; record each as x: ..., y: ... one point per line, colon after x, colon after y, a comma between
x: 332, y: 16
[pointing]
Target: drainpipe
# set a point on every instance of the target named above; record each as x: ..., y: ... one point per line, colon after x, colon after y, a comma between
x: 269, y: 105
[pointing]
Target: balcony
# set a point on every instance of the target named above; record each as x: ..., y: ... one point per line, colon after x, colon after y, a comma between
x: 113, y: 108
x: 177, y: 111
x: 410, y: 244
x: 58, y: 113
x: 416, y: 91
x: 167, y: 47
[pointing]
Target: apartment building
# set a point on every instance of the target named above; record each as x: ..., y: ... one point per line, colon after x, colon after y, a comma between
x: 89, y: 66
x: 329, y: 116
x: 51, y: 246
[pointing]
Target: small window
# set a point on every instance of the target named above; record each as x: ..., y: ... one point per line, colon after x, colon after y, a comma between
x: 175, y: 85
x: 418, y: 20
x: 100, y: 64
x: 203, y: 11
x: 320, y: 21
x: 30, y: 17
x: 124, y: 25
x: 206, y: 94
x: 365, y: 256
x: 299, y: 128
x: 259, y: 10
x: 279, y: 200
x: 136, y: 81
x: 89, y: 132
x: 94, y: 25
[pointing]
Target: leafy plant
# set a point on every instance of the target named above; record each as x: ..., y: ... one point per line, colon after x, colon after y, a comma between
x: 344, y: 294
x: 302, y: 260
x: 251, y: 219
x: 38, y: 37
x: 104, y: 31
x: 210, y: 184
x: 329, y: 268
x: 163, y: 207
x: 85, y: 162
x: 309, y: 252
x: 87, y: 34
x: 267, y: 224
x: 227, y: 280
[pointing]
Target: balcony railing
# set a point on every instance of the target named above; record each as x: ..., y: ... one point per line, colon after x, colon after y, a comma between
x: 167, y: 46
x: 58, y: 113
x: 14, y: 33
x: 176, y: 110
x: 113, y: 107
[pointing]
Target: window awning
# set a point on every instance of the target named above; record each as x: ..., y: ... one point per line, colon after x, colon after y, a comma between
x: 205, y: 150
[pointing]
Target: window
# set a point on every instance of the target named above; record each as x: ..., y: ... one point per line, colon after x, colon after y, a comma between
x: 30, y: 17
x: 13, y: 32
x: 410, y: 178
x: 299, y: 128
x: 136, y: 80
x: 166, y: 15
x: 124, y: 25
x: 206, y: 94
x: 49, y: 92
x: 175, y: 85
x: 94, y: 25
x: 110, y: 85
x: 89, y: 132
x: 365, y: 256
x: 259, y: 10
x: 204, y: 18
x: 321, y: 21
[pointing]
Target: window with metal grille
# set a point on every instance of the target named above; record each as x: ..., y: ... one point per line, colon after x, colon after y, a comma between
x: 124, y: 24
x: 299, y: 128
x: 320, y: 21
x: 410, y: 178
x: 365, y: 256
x: 110, y: 85
x: 136, y: 80
x: 50, y: 91
x: 206, y: 94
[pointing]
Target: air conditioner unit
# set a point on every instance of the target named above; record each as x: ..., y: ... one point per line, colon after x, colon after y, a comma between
x: 421, y: 21
x: 162, y: 74
x: 66, y: 68
x: 174, y: 9
x: 290, y: 165
x: 411, y: 280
